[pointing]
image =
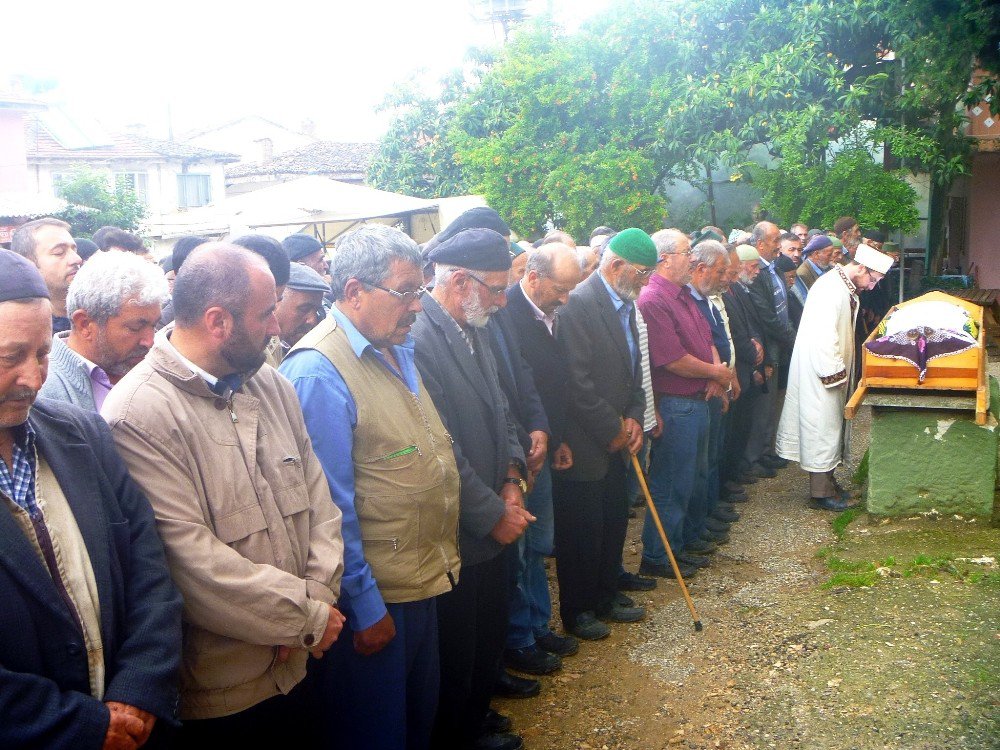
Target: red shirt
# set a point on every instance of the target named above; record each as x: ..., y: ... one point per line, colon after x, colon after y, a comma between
x: 675, y: 327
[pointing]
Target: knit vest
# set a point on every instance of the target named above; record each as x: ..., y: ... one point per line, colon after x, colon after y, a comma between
x: 406, y: 483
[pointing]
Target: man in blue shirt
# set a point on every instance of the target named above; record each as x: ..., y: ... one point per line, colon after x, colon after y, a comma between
x: 392, y: 473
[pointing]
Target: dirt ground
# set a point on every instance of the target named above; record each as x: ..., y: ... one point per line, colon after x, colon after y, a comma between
x: 883, y: 635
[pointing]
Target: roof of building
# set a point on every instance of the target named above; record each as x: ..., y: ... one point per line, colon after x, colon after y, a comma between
x: 22, y: 205
x: 215, y: 128
x: 62, y: 142
x: 320, y: 158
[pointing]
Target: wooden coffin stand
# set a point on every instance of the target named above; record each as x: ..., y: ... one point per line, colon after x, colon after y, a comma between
x: 954, y: 382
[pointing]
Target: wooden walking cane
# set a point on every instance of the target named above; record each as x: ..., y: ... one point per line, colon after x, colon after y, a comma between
x: 663, y: 536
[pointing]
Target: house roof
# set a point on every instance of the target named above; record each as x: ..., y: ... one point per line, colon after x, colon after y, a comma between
x: 320, y: 158
x: 45, y: 142
x: 22, y: 205
x: 257, y: 118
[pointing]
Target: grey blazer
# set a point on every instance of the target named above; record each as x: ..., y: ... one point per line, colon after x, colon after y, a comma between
x: 68, y: 378
x: 466, y: 391
x: 604, y: 386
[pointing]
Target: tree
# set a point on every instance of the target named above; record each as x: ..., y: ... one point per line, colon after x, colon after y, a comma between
x: 93, y: 204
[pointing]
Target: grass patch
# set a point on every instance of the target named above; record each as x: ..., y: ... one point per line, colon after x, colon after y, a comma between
x: 840, y: 565
x: 861, y: 473
x: 845, y: 519
x: 852, y: 579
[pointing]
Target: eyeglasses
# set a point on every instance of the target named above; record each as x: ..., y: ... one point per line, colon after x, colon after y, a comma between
x: 496, y: 291
x: 640, y: 272
x: 407, y: 297
x: 667, y: 256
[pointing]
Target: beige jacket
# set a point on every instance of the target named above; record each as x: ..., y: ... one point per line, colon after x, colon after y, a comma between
x: 244, y: 511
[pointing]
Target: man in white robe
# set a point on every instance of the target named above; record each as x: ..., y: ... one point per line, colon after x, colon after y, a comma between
x: 821, y: 375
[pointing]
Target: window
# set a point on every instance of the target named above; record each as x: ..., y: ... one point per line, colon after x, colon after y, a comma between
x: 58, y: 180
x: 193, y: 190
x: 137, y: 182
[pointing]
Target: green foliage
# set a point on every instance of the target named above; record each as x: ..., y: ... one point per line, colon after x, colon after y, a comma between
x: 414, y: 157
x: 861, y: 473
x: 93, y: 204
x: 854, y: 580
x: 852, y: 184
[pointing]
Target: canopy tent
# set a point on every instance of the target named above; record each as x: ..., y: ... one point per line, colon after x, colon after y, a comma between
x: 315, y: 205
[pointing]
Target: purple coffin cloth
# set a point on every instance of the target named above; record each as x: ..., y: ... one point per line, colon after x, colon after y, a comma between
x: 918, y: 346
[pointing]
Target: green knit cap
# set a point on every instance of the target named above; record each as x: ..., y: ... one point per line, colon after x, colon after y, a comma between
x: 635, y: 246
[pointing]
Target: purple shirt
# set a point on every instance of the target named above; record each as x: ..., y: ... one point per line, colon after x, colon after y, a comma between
x: 675, y: 327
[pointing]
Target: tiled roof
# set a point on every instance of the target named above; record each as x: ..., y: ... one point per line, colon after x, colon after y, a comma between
x: 320, y: 158
x: 43, y: 145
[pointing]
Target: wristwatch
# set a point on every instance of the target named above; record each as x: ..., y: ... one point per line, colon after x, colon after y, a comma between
x: 519, y: 482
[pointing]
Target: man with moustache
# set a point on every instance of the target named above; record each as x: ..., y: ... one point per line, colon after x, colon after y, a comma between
x: 90, y: 622
x: 363, y: 398
x: 687, y: 373
x: 114, y: 303
x: 816, y: 260
x: 217, y: 441
x: 790, y: 246
x: 48, y: 244
x: 604, y: 424
x: 455, y: 361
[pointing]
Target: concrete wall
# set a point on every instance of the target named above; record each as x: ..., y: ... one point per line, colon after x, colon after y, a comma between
x: 13, y: 155
x: 984, y: 219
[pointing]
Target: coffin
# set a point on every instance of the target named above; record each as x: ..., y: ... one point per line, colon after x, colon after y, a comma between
x: 953, y: 381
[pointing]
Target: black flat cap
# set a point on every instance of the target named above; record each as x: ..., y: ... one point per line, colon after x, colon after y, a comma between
x: 298, y: 246
x: 475, y: 249
x: 20, y: 279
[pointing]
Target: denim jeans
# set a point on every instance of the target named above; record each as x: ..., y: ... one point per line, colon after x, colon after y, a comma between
x: 531, y: 604
x: 678, y: 471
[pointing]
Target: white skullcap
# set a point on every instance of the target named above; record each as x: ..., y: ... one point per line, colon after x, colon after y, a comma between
x: 871, y: 258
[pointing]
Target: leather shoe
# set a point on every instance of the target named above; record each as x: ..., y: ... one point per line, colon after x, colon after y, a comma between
x: 665, y: 571
x: 747, y: 477
x: 618, y: 613
x: 835, y: 504
x: 496, y: 723
x: 701, y: 547
x: 499, y: 741
x: 775, y: 462
x: 531, y: 660
x: 762, y: 471
x: 733, y: 488
x: 511, y: 686
x: 716, y: 526
x: 589, y: 628
x: 726, y: 516
x: 631, y: 582
x: 694, y: 561
x: 560, y: 645
x: 740, y: 497
x: 718, y: 537
x: 624, y: 601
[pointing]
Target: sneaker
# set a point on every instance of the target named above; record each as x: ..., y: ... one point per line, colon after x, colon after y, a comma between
x: 531, y: 660
x: 586, y: 627
x: 617, y: 613
x: 631, y: 582
x: 665, y: 571
x: 560, y: 645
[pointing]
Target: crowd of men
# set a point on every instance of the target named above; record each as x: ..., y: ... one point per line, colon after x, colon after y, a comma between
x: 271, y: 495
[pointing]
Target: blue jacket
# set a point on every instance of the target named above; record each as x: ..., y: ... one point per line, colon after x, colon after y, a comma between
x: 45, y: 696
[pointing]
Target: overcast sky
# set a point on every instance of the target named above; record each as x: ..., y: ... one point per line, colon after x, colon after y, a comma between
x: 211, y: 61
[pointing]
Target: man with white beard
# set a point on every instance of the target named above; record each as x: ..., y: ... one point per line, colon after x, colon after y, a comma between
x: 454, y: 358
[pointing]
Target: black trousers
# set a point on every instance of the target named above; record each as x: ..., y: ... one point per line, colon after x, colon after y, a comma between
x: 280, y: 721
x: 591, y: 519
x: 740, y: 425
x: 472, y: 628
